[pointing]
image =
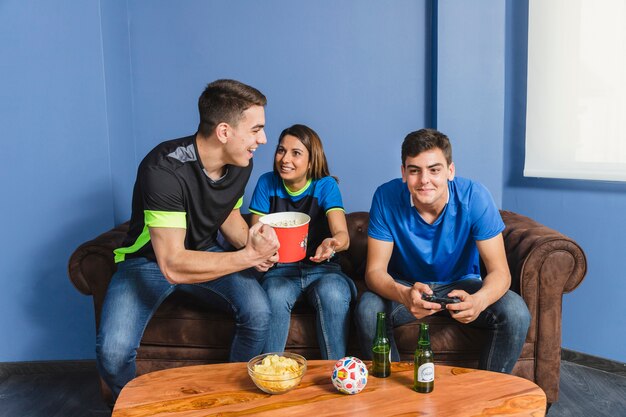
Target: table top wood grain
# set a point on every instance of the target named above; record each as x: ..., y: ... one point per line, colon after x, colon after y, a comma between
x: 227, y: 390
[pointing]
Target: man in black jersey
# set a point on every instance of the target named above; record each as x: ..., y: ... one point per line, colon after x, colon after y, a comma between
x: 186, y: 190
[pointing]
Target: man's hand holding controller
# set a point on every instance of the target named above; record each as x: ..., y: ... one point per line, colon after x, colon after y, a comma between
x: 412, y: 298
x: 442, y: 301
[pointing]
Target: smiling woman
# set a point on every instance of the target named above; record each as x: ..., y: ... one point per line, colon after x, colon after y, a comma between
x: 300, y: 183
x: 292, y: 162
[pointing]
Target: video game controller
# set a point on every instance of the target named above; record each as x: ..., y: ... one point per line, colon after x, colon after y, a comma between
x: 442, y: 301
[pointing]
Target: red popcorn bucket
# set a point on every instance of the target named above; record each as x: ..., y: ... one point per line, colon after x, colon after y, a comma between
x: 292, y: 229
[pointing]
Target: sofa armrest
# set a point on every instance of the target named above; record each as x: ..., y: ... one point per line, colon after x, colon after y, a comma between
x: 91, y: 266
x: 535, y: 252
x: 544, y: 265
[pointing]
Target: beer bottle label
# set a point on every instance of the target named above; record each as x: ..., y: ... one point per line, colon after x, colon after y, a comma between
x: 426, y: 372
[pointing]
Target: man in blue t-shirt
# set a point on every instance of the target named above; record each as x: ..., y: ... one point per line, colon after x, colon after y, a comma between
x: 426, y: 233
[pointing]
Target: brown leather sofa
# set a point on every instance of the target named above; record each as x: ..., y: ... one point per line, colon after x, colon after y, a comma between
x: 544, y: 265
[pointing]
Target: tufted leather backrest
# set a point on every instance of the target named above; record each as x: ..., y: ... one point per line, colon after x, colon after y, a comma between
x: 354, y: 259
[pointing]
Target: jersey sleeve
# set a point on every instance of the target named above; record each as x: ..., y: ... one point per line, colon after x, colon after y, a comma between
x: 162, y: 199
x: 260, y: 202
x: 486, y: 219
x: 378, y: 227
x: 329, y: 195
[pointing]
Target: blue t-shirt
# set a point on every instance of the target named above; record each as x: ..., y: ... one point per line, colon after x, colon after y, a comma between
x: 444, y: 251
x: 316, y: 199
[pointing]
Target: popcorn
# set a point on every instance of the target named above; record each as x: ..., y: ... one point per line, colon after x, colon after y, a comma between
x: 284, y: 223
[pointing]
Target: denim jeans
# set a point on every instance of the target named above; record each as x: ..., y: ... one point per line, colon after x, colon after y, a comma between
x: 138, y: 288
x: 326, y: 288
x: 507, y: 321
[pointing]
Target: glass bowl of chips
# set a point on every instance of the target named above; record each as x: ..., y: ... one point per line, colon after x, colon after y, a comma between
x: 277, y: 372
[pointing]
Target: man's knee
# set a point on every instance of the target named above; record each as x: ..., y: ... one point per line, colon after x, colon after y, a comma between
x: 254, y: 314
x: 515, y: 312
x: 521, y: 316
x: 114, y: 355
x: 366, y: 309
x: 279, y: 291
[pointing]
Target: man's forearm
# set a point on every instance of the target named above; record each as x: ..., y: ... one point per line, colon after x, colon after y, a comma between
x: 384, y: 285
x: 498, y: 278
x: 189, y: 266
x: 495, y: 285
x: 236, y: 232
x: 239, y: 240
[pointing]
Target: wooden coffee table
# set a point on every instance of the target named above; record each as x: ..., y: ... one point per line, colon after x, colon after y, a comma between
x: 227, y: 390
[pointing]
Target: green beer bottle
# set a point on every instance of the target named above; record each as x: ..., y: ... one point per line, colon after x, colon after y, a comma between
x: 381, y: 349
x: 424, y: 369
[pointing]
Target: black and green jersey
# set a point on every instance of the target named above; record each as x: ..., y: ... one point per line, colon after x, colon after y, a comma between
x: 173, y: 190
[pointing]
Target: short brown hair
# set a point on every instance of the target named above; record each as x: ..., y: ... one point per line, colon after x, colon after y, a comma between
x: 424, y: 140
x: 225, y: 101
x: 318, y: 166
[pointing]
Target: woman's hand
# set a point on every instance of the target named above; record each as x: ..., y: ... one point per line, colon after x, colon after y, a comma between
x: 325, y: 250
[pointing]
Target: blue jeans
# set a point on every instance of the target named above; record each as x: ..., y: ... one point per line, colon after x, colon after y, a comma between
x: 138, y: 288
x: 507, y: 321
x: 326, y: 288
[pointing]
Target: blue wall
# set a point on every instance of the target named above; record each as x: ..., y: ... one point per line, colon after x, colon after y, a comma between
x: 88, y: 87
x: 355, y: 71
x: 55, y: 173
x: 590, y: 212
x: 119, y: 104
x: 480, y: 101
x: 470, y: 87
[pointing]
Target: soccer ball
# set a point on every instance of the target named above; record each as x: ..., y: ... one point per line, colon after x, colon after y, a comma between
x: 349, y: 375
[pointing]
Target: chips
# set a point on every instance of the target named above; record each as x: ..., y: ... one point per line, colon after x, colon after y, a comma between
x: 277, y: 373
